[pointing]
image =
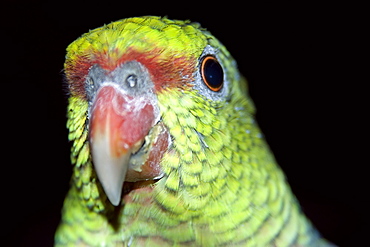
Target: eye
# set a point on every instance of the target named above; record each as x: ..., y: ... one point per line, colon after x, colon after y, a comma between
x: 212, y: 73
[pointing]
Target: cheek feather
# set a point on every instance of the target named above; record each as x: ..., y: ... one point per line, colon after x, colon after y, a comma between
x: 175, y: 72
x: 76, y: 71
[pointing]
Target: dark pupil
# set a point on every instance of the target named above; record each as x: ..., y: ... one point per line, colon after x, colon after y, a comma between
x: 213, y: 73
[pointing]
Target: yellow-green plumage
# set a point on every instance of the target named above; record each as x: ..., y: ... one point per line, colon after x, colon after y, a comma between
x: 221, y: 185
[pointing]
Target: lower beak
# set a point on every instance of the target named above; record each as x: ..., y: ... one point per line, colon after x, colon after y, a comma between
x: 118, y: 126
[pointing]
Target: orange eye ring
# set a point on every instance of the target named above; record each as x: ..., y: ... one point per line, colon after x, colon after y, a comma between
x: 212, y: 73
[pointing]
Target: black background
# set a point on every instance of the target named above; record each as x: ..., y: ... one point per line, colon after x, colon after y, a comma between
x: 302, y: 62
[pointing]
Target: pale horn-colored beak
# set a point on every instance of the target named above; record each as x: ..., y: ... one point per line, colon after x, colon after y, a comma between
x: 118, y: 126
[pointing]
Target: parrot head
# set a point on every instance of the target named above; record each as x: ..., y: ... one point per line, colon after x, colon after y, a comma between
x: 165, y: 148
x: 148, y: 99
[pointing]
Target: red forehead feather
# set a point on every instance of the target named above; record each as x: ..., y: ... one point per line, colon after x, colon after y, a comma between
x: 165, y: 71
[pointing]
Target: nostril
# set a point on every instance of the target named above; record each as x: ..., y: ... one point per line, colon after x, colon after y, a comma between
x: 131, y: 80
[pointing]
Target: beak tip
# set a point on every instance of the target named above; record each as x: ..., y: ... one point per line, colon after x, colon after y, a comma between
x: 111, y: 170
x: 114, y: 197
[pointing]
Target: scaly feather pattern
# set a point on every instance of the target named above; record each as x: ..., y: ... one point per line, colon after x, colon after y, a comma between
x: 220, y: 184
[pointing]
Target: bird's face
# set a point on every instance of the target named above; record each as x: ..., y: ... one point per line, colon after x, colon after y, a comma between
x: 145, y: 85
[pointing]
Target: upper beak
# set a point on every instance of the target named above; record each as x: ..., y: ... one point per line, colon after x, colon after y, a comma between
x: 118, y: 126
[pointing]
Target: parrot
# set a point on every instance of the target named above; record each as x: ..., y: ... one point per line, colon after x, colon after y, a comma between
x: 165, y: 148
